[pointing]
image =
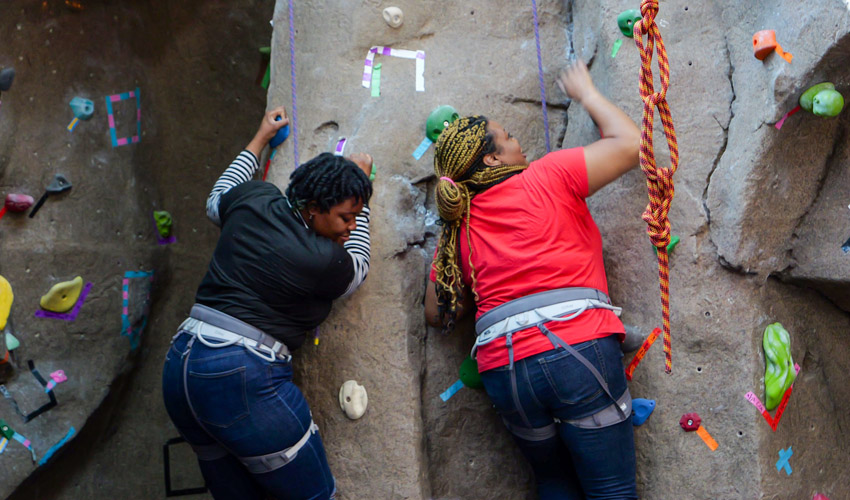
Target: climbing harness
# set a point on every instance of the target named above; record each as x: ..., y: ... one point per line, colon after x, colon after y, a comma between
x: 215, y: 329
x: 540, y: 74
x: 659, y: 180
x: 535, y: 310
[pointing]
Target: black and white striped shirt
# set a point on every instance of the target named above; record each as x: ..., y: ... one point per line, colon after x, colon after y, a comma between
x: 269, y: 269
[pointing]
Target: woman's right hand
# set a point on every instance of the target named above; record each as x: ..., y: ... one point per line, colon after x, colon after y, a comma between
x: 364, y: 161
x: 268, y: 128
x: 273, y: 121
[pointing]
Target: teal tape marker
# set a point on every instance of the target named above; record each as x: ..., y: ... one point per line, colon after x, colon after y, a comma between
x: 423, y: 146
x: 376, y: 80
x: 53, y: 449
x: 616, y: 48
x: 451, y: 391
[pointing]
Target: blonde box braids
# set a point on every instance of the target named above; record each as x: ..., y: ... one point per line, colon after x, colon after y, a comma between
x: 461, y: 175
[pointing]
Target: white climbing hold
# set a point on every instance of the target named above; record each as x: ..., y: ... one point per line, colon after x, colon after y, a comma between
x: 394, y: 16
x: 353, y: 399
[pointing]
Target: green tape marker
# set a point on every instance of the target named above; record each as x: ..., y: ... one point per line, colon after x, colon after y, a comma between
x: 376, y: 80
x: 617, y: 45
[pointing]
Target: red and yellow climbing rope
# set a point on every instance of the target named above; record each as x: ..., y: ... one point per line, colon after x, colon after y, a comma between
x: 659, y: 180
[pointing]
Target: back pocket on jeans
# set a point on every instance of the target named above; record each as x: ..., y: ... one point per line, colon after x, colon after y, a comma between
x: 570, y: 380
x: 219, y: 399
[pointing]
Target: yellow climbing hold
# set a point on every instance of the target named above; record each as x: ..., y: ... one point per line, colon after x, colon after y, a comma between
x: 62, y: 297
x: 6, y: 298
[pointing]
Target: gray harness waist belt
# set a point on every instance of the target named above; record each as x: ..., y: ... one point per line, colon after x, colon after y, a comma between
x: 549, y: 298
x: 217, y: 325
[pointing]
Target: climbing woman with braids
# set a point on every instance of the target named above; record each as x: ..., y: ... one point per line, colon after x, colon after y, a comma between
x: 279, y: 263
x: 518, y: 241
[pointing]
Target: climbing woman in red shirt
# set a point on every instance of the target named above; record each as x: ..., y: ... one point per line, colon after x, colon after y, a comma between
x: 518, y: 240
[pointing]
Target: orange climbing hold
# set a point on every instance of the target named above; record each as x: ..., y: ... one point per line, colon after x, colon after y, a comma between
x: 764, y: 42
x: 659, y: 180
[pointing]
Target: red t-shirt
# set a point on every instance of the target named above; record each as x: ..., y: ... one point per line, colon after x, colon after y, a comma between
x: 533, y: 233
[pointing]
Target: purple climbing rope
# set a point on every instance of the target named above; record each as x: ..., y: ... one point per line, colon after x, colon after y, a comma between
x: 294, y: 94
x: 540, y: 74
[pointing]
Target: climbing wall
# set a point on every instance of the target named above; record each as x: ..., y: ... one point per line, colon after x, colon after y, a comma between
x: 480, y: 58
x: 761, y: 214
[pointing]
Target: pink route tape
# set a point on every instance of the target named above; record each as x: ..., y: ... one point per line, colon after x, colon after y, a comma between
x: 787, y: 115
x: 68, y: 316
x: 773, y: 422
x: 418, y: 55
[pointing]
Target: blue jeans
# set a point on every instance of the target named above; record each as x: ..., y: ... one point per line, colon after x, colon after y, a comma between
x: 578, y: 463
x: 250, y: 407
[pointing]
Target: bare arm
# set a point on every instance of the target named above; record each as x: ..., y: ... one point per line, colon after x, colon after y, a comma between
x: 617, y: 152
x: 432, y: 313
x: 246, y: 164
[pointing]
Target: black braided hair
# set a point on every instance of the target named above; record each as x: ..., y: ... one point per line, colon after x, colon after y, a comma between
x: 327, y: 180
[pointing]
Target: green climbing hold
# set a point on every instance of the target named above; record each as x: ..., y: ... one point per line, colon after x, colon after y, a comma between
x: 5, y: 430
x: 438, y: 120
x: 469, y: 374
x: 806, y: 100
x: 779, y: 371
x: 163, y: 223
x: 670, y: 246
x: 828, y: 103
x: 626, y: 21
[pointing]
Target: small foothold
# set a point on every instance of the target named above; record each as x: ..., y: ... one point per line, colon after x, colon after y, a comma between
x: 393, y: 16
x: 670, y: 246
x: 59, y: 184
x: 626, y: 21
x: 828, y: 103
x: 163, y: 222
x: 82, y: 108
x: 438, y: 120
x: 764, y: 42
x: 641, y: 410
x: 6, y: 299
x: 18, y: 202
x: 690, y: 422
x: 353, y: 399
x: 12, y: 342
x: 7, y: 76
x: 62, y: 296
x: 469, y: 373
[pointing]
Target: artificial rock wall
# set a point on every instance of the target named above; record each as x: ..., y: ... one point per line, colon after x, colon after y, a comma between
x: 746, y: 193
x: 760, y: 212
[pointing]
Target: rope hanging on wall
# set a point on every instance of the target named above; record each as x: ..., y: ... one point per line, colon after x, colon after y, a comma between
x: 659, y: 180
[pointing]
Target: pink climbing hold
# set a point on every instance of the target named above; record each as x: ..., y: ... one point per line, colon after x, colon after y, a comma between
x: 18, y: 202
x: 59, y: 376
x: 819, y: 496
